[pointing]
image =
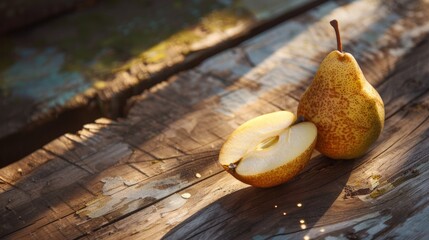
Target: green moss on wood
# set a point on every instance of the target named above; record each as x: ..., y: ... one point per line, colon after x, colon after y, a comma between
x: 378, y: 192
x: 112, y: 36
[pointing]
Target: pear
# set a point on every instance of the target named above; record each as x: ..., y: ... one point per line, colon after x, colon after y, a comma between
x: 347, y: 111
x: 268, y: 150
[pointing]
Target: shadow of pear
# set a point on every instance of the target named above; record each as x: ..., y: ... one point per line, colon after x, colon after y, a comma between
x: 253, y: 213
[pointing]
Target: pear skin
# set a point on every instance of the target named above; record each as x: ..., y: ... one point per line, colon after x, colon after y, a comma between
x: 279, y: 175
x: 347, y: 111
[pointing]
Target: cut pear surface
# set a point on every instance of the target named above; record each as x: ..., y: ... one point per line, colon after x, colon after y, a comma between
x: 291, y: 144
x: 251, y: 133
x: 267, y: 151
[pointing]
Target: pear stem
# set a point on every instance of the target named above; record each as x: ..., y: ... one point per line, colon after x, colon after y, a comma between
x: 334, y: 24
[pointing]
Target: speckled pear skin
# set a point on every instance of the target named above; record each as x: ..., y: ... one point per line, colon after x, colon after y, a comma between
x: 347, y: 111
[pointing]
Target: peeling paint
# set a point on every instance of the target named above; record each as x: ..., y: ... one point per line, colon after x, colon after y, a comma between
x: 130, y: 198
x: 370, y: 222
x: 371, y: 227
x: 111, y: 183
x: 378, y: 188
x: 415, y: 227
x: 38, y: 75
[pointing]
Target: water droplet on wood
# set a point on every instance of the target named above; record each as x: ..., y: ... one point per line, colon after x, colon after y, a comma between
x: 186, y: 195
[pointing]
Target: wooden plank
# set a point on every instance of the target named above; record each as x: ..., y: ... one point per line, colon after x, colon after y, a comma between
x: 352, y: 197
x: 64, y: 73
x: 219, y: 108
x: 300, y: 54
x: 369, y: 197
x: 35, y: 184
x: 163, y: 219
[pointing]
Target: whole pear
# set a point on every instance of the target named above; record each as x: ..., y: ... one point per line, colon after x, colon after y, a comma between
x: 347, y: 111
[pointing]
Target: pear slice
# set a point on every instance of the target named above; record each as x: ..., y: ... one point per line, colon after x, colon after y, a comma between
x: 267, y: 151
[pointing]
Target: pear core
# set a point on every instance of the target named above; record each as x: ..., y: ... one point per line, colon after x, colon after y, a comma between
x: 291, y: 143
x: 250, y: 134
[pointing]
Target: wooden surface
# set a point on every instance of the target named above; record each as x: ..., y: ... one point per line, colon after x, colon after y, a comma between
x: 126, y: 178
x: 70, y: 70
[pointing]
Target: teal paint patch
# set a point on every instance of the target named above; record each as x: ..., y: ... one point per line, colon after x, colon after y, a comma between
x: 37, y: 75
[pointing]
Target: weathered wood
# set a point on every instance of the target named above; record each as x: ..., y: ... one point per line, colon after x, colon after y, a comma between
x: 126, y: 178
x: 57, y: 76
x: 334, y: 200
x: 365, y: 199
x: 145, y: 229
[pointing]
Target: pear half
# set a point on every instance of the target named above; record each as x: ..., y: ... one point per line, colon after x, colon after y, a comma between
x: 268, y: 150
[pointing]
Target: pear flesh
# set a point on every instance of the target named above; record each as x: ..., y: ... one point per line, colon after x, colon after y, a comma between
x: 347, y: 111
x: 267, y: 151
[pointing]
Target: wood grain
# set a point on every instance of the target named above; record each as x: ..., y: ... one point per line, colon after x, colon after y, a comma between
x: 125, y: 178
x: 64, y: 73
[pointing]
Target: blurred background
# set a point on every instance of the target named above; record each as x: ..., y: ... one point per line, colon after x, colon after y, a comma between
x: 64, y: 63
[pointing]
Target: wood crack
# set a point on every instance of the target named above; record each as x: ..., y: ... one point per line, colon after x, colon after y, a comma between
x: 70, y: 162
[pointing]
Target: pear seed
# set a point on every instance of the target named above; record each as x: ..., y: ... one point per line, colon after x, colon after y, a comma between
x: 232, y: 166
